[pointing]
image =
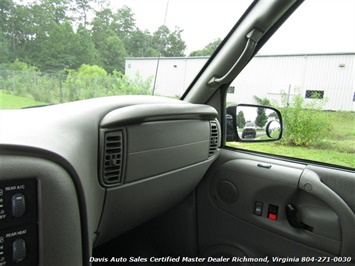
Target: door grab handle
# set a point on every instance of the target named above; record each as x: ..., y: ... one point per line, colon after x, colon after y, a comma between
x: 291, y: 215
x: 311, y: 183
x: 253, y: 37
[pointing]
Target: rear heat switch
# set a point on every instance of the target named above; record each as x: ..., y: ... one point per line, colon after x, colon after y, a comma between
x: 18, y: 250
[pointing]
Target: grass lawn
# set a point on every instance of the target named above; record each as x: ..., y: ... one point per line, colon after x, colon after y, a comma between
x: 321, y: 155
x: 8, y: 101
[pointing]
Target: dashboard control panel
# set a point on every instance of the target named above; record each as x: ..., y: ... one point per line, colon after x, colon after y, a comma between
x: 18, y: 223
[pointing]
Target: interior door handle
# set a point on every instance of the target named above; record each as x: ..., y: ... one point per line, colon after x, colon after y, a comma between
x: 311, y: 183
x: 291, y: 214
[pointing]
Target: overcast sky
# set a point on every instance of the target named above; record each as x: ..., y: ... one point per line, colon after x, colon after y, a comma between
x: 332, y: 27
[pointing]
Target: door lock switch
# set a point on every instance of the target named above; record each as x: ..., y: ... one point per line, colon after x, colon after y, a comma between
x: 258, y: 208
x: 272, y: 212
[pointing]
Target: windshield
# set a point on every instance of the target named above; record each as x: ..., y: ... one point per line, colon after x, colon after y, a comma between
x: 67, y: 50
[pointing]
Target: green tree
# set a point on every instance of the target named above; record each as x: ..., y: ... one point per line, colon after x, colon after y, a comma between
x: 123, y: 23
x: 139, y: 44
x: 111, y: 34
x: 32, y: 24
x: 7, y: 8
x: 83, y: 8
x: 5, y: 48
x: 112, y: 54
x: 169, y: 43
x: 208, y: 50
x: 41, y: 33
x: 101, y: 23
x: 240, y: 119
x: 56, y: 10
x: 261, y: 117
x: 60, y: 50
x: 101, y: 31
x: 87, y: 53
x: 11, y: 18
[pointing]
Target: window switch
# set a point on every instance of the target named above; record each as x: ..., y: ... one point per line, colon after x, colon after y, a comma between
x: 272, y: 212
x: 258, y: 208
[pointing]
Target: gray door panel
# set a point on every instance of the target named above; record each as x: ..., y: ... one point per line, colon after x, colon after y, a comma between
x: 242, y: 205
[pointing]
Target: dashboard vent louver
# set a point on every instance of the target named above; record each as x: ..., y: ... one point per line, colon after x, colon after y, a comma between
x: 113, y: 158
x: 213, y: 138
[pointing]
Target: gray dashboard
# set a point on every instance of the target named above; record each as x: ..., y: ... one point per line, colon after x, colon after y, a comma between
x: 101, y: 167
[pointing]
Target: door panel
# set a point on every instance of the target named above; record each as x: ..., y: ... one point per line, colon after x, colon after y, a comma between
x: 258, y: 206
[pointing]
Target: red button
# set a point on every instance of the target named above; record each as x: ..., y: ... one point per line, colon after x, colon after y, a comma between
x: 272, y: 216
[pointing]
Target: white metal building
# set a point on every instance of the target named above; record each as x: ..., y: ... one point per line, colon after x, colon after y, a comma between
x: 331, y: 76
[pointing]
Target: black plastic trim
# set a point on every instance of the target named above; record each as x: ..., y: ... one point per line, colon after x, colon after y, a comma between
x: 102, y: 133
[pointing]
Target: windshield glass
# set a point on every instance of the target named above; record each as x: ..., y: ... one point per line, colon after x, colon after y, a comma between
x: 67, y: 50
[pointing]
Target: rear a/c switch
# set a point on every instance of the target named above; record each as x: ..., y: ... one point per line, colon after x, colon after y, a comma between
x: 272, y: 212
x: 18, y: 205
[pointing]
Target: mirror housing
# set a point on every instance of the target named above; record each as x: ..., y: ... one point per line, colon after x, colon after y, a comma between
x: 253, y: 123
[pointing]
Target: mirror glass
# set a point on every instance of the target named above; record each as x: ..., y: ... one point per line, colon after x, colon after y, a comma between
x: 273, y: 129
x: 254, y: 123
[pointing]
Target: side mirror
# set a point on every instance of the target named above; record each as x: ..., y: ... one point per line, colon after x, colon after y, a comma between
x: 253, y: 123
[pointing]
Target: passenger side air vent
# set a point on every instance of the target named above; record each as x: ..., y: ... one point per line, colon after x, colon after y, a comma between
x: 112, y: 157
x: 213, y: 138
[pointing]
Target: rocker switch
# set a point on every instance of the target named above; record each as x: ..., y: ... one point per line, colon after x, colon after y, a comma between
x: 18, y: 205
x: 258, y: 208
x: 18, y: 250
x: 272, y: 212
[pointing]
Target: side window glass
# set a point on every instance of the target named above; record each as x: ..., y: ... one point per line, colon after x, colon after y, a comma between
x: 312, y: 86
